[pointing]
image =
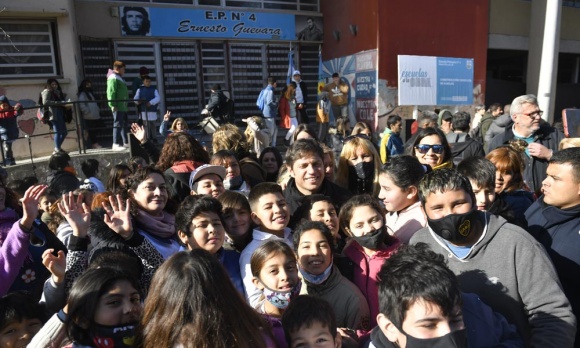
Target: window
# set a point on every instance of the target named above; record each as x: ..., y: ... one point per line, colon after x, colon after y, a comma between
x: 29, y: 51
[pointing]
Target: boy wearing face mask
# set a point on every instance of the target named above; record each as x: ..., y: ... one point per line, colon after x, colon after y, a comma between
x: 435, y: 313
x: 498, y: 261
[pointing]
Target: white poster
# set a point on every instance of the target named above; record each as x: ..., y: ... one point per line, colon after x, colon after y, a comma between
x: 417, y: 80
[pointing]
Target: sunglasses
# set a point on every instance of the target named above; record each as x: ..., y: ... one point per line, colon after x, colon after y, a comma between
x: 424, y: 148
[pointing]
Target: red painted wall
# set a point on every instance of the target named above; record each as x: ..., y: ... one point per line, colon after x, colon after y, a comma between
x: 338, y: 15
x: 445, y: 28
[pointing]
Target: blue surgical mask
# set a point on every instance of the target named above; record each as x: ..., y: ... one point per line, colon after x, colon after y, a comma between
x: 316, y: 279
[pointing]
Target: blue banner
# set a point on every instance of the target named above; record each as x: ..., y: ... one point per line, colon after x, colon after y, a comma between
x: 454, y: 81
x: 366, y: 84
x: 219, y: 24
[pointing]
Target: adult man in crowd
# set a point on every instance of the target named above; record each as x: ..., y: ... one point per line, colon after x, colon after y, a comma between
x: 306, y: 166
x: 117, y: 94
x: 494, y: 112
x: 498, y: 126
x: 270, y: 108
x: 479, y: 112
x: 538, y: 138
x: 462, y: 146
x: 301, y: 97
x: 554, y: 219
x: 338, y: 94
x: 498, y: 261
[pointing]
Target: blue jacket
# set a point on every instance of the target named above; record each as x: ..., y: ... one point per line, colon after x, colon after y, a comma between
x: 270, y: 104
x: 230, y: 259
x: 559, y: 232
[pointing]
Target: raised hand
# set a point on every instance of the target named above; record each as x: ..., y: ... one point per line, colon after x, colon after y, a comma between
x: 76, y: 213
x: 138, y: 131
x: 166, y: 116
x: 30, y: 204
x: 55, y: 264
x: 118, y: 216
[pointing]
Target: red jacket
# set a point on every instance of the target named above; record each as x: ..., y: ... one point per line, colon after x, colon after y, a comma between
x: 11, y: 111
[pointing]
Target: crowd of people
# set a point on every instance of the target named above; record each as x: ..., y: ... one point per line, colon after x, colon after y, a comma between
x: 441, y: 241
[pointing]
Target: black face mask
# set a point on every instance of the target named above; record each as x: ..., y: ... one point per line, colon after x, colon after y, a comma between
x: 233, y: 183
x: 371, y: 240
x: 361, y: 176
x: 455, y: 228
x: 114, y: 336
x: 454, y: 339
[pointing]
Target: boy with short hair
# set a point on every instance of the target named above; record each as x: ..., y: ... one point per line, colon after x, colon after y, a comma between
x: 270, y: 214
x: 420, y: 302
x: 307, y: 321
x: 499, y: 261
x: 481, y: 174
x: 149, y: 97
x: 207, y: 180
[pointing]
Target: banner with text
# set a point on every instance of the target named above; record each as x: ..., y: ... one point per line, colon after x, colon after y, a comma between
x: 215, y: 24
x: 435, y: 80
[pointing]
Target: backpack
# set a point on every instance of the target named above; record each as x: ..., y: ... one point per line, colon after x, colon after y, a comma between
x: 261, y: 102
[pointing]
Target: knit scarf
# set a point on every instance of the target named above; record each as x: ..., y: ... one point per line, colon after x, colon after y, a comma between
x: 161, y: 226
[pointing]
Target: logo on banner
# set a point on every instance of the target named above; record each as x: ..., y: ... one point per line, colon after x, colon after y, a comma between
x: 416, y: 78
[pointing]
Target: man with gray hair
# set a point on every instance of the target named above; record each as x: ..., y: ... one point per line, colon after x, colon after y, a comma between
x: 536, y: 138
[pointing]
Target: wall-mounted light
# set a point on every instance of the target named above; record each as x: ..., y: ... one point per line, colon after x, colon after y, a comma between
x: 336, y: 35
x: 114, y: 11
x: 353, y: 29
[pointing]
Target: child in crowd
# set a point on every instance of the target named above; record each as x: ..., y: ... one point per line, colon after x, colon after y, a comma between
x: 207, y: 180
x: 434, y: 313
x: 309, y: 322
x: 363, y: 219
x: 233, y: 181
x: 237, y: 220
x: 481, y: 175
x: 46, y: 200
x: 271, y: 216
x: 399, y: 180
x: 21, y: 317
x: 192, y: 303
x: 314, y: 247
x: 118, y: 175
x: 275, y: 275
x: 199, y: 226
x: 90, y: 168
x: 318, y: 207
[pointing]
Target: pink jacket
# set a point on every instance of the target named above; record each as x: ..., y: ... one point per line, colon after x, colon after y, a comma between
x: 366, y: 269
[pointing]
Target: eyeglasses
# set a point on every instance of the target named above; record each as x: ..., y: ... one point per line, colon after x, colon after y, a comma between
x: 534, y: 114
x: 424, y: 148
x: 350, y: 137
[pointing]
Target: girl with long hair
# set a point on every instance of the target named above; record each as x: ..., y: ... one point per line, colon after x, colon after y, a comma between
x: 358, y: 166
x: 237, y: 220
x: 287, y: 111
x: 271, y: 160
x: 90, y: 111
x: 275, y: 273
x: 192, y: 303
x: 118, y: 178
x: 363, y: 219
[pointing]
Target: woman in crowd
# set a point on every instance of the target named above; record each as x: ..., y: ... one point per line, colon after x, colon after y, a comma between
x: 363, y: 220
x: 509, y: 180
x: 358, y: 166
x: 431, y: 148
x: 181, y: 154
x: 257, y: 134
x: 271, y: 160
x: 303, y: 132
x: 192, y: 303
x: 53, y: 97
x: 91, y: 113
x: 179, y: 125
x: 399, y: 180
x: 362, y: 128
x: 118, y: 178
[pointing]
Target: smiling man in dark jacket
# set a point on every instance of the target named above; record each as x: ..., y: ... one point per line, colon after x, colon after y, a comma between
x: 554, y: 219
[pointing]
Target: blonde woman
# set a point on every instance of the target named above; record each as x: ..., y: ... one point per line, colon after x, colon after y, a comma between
x: 258, y: 135
x: 568, y: 143
x: 358, y: 166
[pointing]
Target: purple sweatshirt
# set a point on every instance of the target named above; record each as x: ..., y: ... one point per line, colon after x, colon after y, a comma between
x: 13, y: 252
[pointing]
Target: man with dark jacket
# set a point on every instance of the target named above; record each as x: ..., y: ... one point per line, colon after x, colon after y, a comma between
x: 554, y: 219
x: 301, y: 97
x: 462, y: 146
x: 305, y: 164
x: 538, y: 138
